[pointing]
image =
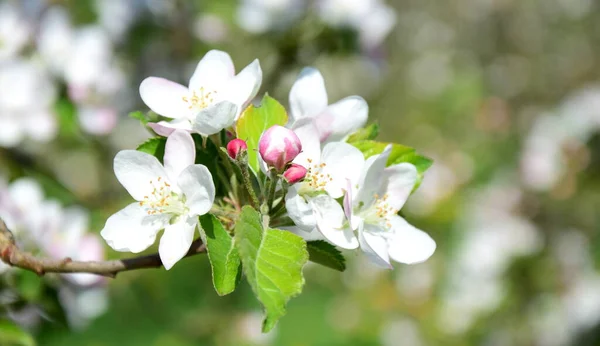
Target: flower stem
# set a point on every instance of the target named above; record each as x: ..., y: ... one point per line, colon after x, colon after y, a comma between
x: 248, y: 184
x: 271, y: 190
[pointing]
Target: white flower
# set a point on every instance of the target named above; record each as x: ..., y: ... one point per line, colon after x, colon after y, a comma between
x: 311, y: 200
x: 25, y: 103
x: 380, y: 194
x: 63, y: 233
x: 214, y: 99
x: 308, y: 99
x: 170, y: 198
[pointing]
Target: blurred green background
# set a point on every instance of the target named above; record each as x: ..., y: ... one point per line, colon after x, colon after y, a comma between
x: 502, y: 94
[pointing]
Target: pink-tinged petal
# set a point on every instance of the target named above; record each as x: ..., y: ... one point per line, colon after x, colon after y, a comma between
x: 165, y: 128
x: 311, y: 145
x: 279, y: 146
x: 370, y: 182
x: 408, y: 244
x: 180, y: 152
x: 244, y: 86
x: 213, y: 71
x: 132, y: 230
x: 374, y: 244
x: 197, y: 185
x: 308, y: 96
x: 214, y: 118
x: 342, y: 118
x: 165, y: 97
x: 400, y: 180
x: 138, y: 172
x: 176, y: 241
x: 89, y: 249
x: 342, y: 161
x: 299, y: 210
x: 41, y: 126
x: 98, y: 120
x: 330, y: 222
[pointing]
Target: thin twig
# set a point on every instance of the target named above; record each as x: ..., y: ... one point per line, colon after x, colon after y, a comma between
x: 12, y: 255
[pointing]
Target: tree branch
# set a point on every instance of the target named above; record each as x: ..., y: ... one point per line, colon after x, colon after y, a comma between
x: 13, y: 256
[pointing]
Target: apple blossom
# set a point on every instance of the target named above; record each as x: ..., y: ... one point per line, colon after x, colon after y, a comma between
x: 294, y: 173
x: 169, y: 197
x: 26, y: 102
x: 278, y: 146
x: 372, y: 212
x: 235, y: 147
x: 308, y: 99
x: 327, y: 177
x: 214, y: 98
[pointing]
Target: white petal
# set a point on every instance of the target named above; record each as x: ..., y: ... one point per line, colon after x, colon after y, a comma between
x: 311, y: 145
x: 131, y: 229
x: 165, y: 97
x: 308, y: 96
x: 164, y: 128
x: 374, y: 245
x: 180, y: 152
x: 343, y: 162
x: 214, y: 118
x: 197, y: 185
x: 215, y: 69
x: 400, y: 180
x: 176, y: 241
x: 135, y: 170
x: 11, y: 131
x: 299, y: 210
x: 370, y: 181
x: 330, y: 222
x: 26, y: 193
x: 306, y: 235
x: 342, y: 118
x: 409, y: 244
x: 244, y: 86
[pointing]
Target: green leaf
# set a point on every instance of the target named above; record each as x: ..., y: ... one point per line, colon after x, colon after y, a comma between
x: 223, y: 256
x: 272, y: 261
x: 400, y: 153
x: 254, y: 121
x: 67, y: 119
x: 325, y: 254
x: 30, y: 285
x: 154, y: 146
x: 367, y: 133
x: 13, y: 335
x: 139, y: 115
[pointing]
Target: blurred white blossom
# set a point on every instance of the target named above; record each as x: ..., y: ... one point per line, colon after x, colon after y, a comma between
x: 26, y: 102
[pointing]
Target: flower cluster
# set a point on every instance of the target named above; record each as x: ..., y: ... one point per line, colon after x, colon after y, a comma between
x: 82, y: 58
x: 313, y: 172
x: 44, y: 226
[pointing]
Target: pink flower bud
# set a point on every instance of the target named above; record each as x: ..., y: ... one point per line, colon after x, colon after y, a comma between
x: 278, y: 146
x: 235, y: 147
x: 294, y: 173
